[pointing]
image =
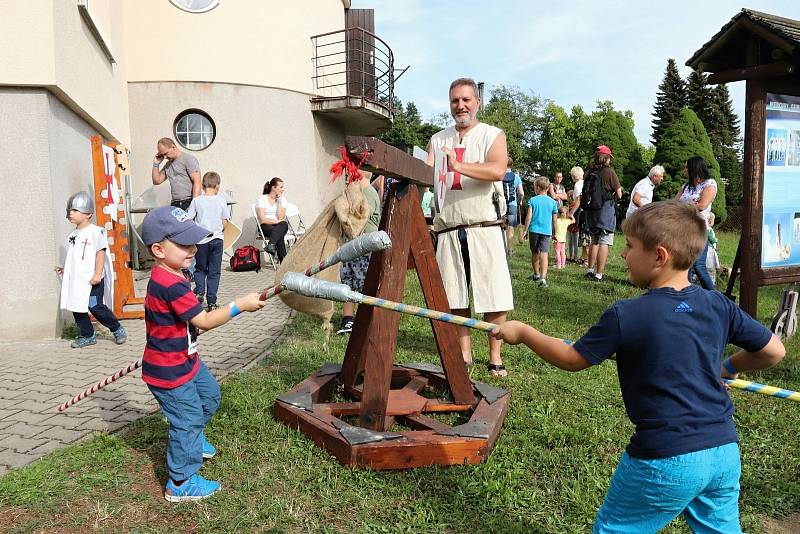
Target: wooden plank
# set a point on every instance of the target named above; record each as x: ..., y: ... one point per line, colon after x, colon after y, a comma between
x: 420, y: 449
x: 423, y: 422
x: 493, y: 414
x: 320, y: 387
x: 386, y: 159
x: 753, y: 187
x: 315, y: 427
x: 435, y: 405
x: 768, y: 70
x: 430, y: 281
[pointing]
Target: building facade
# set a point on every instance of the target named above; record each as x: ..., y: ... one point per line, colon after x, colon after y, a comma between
x: 252, y: 89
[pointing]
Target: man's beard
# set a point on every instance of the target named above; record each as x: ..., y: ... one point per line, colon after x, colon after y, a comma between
x: 462, y: 121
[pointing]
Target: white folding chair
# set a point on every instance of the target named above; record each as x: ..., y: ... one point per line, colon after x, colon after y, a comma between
x: 264, y: 240
x: 296, y: 225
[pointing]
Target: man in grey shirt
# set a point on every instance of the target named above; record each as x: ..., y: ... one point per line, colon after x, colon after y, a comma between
x: 182, y: 170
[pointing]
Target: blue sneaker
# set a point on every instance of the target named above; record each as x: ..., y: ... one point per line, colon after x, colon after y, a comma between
x: 120, y: 335
x: 196, y: 488
x: 80, y: 341
x: 209, y: 451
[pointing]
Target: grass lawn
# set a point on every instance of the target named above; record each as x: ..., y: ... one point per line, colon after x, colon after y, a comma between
x: 548, y: 472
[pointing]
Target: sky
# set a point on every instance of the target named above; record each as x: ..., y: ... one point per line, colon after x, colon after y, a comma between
x: 572, y: 52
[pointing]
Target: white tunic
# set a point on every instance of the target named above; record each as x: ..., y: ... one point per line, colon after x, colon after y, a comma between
x: 467, y: 202
x: 82, y: 247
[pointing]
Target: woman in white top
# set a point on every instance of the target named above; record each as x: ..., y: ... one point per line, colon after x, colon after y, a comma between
x: 271, y: 213
x: 701, y: 190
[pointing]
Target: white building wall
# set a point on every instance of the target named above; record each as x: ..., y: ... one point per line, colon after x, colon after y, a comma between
x: 47, y: 159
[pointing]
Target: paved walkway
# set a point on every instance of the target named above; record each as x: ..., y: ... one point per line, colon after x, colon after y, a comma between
x: 37, y: 376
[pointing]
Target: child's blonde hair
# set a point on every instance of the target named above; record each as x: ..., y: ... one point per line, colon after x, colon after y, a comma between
x: 542, y: 183
x: 671, y: 224
x: 210, y: 179
x: 563, y: 212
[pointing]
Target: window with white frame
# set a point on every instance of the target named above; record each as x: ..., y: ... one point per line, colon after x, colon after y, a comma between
x: 194, y: 130
x: 196, y: 6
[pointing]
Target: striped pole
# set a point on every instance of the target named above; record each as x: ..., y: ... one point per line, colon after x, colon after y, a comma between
x: 365, y: 244
x: 103, y: 383
x: 755, y: 387
x: 316, y: 288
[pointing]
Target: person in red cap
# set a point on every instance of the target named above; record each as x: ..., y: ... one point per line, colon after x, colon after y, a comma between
x: 601, y: 222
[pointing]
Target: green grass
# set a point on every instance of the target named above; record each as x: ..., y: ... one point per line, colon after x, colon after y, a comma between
x: 548, y: 472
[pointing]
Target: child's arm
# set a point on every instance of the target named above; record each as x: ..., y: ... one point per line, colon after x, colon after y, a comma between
x: 220, y: 316
x: 550, y: 349
x: 528, y: 217
x: 99, y: 264
x: 555, y: 223
x: 772, y: 353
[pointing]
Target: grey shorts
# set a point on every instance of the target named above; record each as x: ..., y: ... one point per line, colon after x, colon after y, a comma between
x: 512, y: 215
x: 354, y: 273
x: 602, y: 237
x: 538, y: 242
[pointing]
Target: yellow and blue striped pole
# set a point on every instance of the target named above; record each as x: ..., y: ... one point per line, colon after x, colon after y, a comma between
x: 322, y: 289
x: 755, y: 387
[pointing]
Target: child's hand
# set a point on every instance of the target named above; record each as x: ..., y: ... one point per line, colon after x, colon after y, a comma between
x: 59, y: 270
x: 510, y: 332
x: 250, y: 303
x: 96, y: 279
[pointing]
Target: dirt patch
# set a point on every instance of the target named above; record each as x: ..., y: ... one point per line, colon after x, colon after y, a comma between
x: 787, y: 525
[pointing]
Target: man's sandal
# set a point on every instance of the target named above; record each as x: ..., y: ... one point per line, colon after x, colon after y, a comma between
x: 497, y: 370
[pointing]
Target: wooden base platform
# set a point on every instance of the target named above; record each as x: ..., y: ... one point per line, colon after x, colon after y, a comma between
x: 415, y: 435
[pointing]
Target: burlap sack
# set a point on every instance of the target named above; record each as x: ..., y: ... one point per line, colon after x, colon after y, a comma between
x: 344, y: 216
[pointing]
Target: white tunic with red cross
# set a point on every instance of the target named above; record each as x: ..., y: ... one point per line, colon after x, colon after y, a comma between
x: 469, y: 202
x: 79, y: 266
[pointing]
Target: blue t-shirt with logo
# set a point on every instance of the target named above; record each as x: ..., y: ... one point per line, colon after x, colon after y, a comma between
x: 543, y: 208
x: 669, y: 346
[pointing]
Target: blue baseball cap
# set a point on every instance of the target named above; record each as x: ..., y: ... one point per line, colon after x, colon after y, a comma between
x: 174, y: 224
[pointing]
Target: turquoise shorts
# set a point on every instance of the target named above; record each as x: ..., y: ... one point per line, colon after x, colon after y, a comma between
x: 645, y: 495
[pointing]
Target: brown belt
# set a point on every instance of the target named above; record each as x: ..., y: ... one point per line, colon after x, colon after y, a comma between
x: 500, y: 222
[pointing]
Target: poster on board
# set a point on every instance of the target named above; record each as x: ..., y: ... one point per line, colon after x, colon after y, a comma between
x: 780, y: 231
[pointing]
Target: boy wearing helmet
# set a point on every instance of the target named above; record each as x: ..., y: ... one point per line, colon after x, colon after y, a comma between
x: 87, y: 277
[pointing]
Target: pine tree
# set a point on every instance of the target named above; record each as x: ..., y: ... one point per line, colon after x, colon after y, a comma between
x: 669, y: 101
x: 723, y: 125
x: 699, y: 97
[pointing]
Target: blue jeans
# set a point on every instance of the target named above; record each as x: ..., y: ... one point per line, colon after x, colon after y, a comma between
x: 188, y: 408
x: 701, y: 271
x: 645, y: 495
x: 208, y: 269
x: 100, y: 311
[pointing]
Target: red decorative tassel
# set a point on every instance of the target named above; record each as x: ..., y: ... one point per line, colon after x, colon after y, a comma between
x: 348, y: 165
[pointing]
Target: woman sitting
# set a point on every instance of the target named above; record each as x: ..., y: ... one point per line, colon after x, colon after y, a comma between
x: 271, y: 213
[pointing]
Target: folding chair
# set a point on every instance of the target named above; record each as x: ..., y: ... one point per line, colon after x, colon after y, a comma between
x: 296, y: 225
x: 264, y: 240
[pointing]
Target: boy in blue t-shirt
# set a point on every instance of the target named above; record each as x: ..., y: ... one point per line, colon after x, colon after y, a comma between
x: 684, y: 455
x: 540, y: 221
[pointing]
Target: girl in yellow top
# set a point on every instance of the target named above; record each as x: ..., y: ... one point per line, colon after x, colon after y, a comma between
x: 560, y: 235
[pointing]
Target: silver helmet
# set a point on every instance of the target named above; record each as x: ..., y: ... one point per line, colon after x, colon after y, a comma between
x: 82, y: 202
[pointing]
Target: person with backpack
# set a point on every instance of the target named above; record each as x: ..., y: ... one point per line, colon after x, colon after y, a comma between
x: 512, y: 189
x: 601, y: 189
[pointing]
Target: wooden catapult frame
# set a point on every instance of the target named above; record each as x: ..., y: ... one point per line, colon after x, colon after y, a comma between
x: 378, y: 391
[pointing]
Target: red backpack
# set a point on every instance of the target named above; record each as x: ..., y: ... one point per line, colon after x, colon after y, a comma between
x: 246, y: 258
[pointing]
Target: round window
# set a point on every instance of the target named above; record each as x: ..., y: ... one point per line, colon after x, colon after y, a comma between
x: 194, y: 130
x: 196, y: 6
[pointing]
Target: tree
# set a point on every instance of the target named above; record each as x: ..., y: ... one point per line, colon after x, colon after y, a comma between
x: 407, y: 129
x: 556, y: 150
x: 699, y: 97
x: 722, y: 124
x: 518, y: 114
x: 730, y: 168
x: 615, y: 130
x: 686, y: 137
x: 671, y: 98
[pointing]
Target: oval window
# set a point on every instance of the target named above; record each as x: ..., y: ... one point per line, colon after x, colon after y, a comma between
x: 194, y: 130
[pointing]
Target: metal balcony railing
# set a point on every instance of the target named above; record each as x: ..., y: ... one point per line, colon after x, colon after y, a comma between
x: 353, y: 63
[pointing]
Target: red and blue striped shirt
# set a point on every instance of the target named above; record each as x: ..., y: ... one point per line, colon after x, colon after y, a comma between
x: 170, y: 354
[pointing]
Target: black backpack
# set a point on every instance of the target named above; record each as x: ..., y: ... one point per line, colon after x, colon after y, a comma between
x: 509, y: 190
x: 593, y: 194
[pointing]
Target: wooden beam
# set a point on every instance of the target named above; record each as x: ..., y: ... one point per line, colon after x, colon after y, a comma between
x: 770, y: 37
x: 386, y: 159
x: 768, y: 70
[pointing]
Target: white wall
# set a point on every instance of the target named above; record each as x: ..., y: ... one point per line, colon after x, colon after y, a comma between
x: 266, y: 43
x: 37, y: 184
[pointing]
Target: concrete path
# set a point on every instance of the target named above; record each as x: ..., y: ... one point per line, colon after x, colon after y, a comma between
x: 37, y: 376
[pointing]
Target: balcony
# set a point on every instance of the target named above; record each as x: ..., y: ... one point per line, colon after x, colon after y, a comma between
x: 353, y: 80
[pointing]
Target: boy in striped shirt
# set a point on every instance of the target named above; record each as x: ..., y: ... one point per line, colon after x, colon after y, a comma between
x: 181, y: 383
